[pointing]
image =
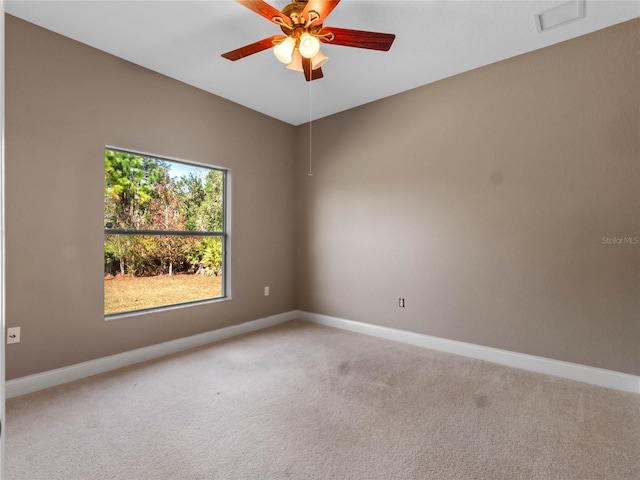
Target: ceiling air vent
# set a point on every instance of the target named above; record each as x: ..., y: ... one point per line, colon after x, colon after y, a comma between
x: 560, y: 15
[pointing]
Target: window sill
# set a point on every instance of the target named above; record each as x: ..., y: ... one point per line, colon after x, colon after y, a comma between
x: 148, y: 311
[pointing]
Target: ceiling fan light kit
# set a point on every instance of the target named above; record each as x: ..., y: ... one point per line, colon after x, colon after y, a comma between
x: 284, y: 50
x: 301, y: 22
x: 296, y: 62
x: 308, y: 45
x: 319, y: 60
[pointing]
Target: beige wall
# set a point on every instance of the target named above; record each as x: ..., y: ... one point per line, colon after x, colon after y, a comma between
x: 482, y: 200
x: 64, y: 103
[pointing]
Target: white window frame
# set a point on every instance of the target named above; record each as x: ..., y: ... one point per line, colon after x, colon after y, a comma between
x: 225, y: 236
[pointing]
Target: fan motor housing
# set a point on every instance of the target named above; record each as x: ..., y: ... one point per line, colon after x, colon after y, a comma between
x: 296, y: 6
x: 294, y: 12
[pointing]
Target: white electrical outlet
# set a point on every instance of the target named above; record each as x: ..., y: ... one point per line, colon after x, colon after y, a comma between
x: 13, y: 335
x: 266, y: 291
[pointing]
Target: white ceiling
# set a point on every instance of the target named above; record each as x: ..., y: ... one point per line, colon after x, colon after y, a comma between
x: 434, y: 40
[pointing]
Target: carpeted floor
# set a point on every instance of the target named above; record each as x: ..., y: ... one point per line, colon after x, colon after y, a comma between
x: 301, y: 401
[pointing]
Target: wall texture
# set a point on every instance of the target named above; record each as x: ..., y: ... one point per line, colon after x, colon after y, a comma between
x: 66, y: 101
x: 483, y: 200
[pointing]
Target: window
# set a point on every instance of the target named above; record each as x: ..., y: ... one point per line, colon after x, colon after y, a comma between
x: 165, y: 234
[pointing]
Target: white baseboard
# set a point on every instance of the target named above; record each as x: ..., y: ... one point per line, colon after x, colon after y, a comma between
x: 39, y: 381
x: 572, y: 371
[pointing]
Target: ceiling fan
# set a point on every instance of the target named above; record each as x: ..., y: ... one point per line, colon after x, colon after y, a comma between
x: 299, y: 47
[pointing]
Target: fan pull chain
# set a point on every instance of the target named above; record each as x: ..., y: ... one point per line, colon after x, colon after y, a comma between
x: 310, y: 152
x: 310, y: 174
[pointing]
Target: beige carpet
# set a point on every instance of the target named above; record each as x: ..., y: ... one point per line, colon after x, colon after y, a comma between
x: 300, y: 401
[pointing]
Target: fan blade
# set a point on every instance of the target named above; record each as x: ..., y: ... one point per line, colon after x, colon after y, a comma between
x: 358, y: 38
x: 265, y: 10
x: 306, y: 67
x: 310, y: 74
x: 256, y: 47
x: 321, y: 7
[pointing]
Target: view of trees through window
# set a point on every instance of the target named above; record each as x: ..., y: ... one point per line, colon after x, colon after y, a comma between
x: 164, y: 236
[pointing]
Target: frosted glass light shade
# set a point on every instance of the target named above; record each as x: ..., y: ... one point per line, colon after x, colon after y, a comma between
x: 309, y: 45
x: 284, y: 50
x: 296, y: 62
x: 319, y: 60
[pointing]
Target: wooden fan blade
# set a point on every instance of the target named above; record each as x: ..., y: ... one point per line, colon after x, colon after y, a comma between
x: 316, y: 74
x: 265, y: 10
x: 321, y: 7
x: 310, y: 74
x: 256, y: 47
x: 306, y: 67
x: 358, y: 38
